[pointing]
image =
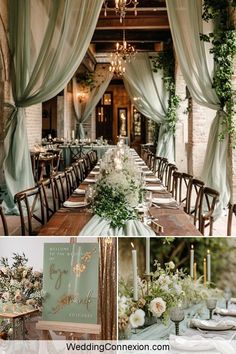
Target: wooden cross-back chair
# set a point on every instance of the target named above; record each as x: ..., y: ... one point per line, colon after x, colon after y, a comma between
x: 4, y: 222
x: 231, y: 211
x: 209, y: 201
x: 29, y: 202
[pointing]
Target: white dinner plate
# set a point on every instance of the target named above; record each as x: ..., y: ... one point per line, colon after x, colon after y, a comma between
x: 79, y: 191
x: 154, y: 188
x: 225, y: 312
x: 69, y: 204
x: 151, y: 179
x: 90, y: 180
x: 211, y: 325
x: 163, y: 200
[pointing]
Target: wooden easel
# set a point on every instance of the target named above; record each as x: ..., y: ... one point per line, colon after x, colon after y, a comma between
x: 70, y: 330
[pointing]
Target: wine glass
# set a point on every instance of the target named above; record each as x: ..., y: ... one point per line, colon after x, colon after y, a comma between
x: 227, y: 296
x: 211, y: 305
x: 177, y: 315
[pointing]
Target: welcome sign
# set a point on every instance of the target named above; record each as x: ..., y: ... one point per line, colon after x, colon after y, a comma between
x: 70, y: 282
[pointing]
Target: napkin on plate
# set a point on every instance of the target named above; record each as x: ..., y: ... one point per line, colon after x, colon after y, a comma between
x: 90, y: 180
x: 146, y: 173
x: 94, y: 173
x: 233, y: 300
x: 151, y: 179
x: 164, y: 200
x: 213, y: 325
x: 79, y: 191
x: 225, y: 312
x: 198, y: 344
x: 154, y: 188
x: 69, y: 204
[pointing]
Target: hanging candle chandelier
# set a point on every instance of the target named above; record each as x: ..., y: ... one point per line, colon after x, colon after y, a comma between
x: 121, y: 7
x: 124, y: 52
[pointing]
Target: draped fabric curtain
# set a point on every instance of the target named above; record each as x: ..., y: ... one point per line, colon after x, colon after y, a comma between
x: 48, y: 40
x: 197, y: 66
x: 83, y: 109
x: 149, y: 96
x: 108, y: 286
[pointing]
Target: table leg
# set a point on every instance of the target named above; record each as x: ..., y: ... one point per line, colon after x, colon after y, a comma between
x: 13, y: 329
x: 23, y: 327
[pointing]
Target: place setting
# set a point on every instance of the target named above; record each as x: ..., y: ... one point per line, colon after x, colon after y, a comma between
x: 179, y: 301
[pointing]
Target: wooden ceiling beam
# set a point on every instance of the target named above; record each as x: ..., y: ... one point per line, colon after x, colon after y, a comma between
x: 137, y: 22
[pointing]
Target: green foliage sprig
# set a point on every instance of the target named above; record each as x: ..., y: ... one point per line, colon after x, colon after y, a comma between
x: 165, y: 61
x: 110, y: 203
x: 86, y: 79
x: 223, y: 41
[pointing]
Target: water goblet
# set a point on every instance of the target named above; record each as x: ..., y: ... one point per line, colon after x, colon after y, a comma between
x: 227, y: 296
x: 211, y: 305
x: 177, y: 315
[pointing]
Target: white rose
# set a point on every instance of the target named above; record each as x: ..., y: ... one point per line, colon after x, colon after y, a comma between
x: 137, y: 318
x: 157, y: 306
x: 171, y: 265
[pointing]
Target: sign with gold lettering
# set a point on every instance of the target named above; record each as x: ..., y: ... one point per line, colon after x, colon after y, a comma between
x: 70, y: 282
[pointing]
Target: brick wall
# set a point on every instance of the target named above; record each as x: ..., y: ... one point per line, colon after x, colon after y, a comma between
x: 200, y: 120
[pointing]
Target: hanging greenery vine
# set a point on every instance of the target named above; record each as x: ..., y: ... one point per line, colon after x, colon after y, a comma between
x: 223, y: 41
x: 86, y: 78
x: 165, y: 61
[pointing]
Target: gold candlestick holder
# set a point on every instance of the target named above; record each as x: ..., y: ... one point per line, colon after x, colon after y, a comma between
x: 148, y: 279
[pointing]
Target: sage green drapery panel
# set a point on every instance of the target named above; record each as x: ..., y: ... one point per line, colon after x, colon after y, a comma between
x: 149, y: 96
x: 83, y: 110
x: 197, y: 66
x: 48, y: 40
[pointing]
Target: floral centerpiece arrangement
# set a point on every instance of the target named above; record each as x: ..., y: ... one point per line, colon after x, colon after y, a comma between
x: 168, y: 288
x: 118, y: 189
x: 19, y: 286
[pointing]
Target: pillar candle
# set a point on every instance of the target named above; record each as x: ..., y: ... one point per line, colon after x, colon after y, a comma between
x: 204, y: 271
x: 73, y: 135
x: 195, y: 271
x: 148, y: 255
x: 135, y: 274
x: 191, y: 261
x: 209, y: 266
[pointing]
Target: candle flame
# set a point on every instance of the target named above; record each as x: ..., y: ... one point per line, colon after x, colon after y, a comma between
x: 208, y: 251
x: 192, y: 247
x: 132, y: 244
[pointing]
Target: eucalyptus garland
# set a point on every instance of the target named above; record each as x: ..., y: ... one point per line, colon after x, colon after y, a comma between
x: 165, y: 61
x: 223, y: 41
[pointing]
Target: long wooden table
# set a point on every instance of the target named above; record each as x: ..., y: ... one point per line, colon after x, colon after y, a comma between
x: 70, y: 221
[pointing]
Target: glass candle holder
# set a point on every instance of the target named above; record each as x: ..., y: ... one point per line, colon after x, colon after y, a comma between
x: 177, y: 315
x: 211, y: 305
x: 227, y: 296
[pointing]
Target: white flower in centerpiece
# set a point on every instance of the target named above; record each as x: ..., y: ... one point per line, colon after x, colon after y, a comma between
x: 6, y: 296
x: 18, y: 296
x: 122, y: 304
x: 178, y: 288
x: 157, y: 306
x: 171, y: 265
x: 137, y: 318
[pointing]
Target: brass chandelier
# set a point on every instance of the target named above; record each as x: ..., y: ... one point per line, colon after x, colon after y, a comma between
x: 121, y: 7
x: 124, y: 52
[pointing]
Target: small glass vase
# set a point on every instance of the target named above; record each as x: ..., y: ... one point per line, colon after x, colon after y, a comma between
x: 124, y: 333
x: 150, y: 320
